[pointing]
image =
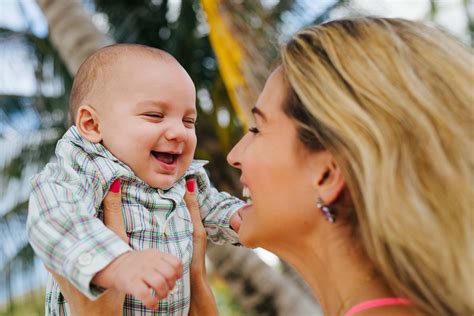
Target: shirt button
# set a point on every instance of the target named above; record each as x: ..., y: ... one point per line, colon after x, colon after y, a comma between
x: 166, y: 230
x: 85, y: 259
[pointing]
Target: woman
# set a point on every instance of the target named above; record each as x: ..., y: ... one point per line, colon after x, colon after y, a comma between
x: 382, y: 113
x: 359, y: 169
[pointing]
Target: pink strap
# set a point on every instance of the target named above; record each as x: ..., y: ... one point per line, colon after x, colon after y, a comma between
x: 377, y: 303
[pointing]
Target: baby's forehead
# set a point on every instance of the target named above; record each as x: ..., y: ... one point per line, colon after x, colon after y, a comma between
x: 111, y: 61
x: 106, y: 63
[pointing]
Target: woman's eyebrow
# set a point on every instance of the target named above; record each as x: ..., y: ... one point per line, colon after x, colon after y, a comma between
x: 257, y: 112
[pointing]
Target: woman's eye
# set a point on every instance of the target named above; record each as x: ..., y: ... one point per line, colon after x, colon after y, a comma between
x: 253, y: 130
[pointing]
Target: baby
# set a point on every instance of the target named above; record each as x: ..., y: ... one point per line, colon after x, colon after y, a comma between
x: 134, y: 112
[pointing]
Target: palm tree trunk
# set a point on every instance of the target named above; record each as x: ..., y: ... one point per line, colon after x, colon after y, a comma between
x: 260, y: 289
x: 245, y: 53
x: 72, y: 31
x: 75, y: 37
x: 289, y: 272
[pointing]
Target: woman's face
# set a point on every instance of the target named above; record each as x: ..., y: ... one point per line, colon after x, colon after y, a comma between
x: 277, y: 174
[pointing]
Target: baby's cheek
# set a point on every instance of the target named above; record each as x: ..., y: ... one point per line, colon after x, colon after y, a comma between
x: 235, y: 222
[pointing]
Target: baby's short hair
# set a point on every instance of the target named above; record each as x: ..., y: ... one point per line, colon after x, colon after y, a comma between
x: 96, y: 68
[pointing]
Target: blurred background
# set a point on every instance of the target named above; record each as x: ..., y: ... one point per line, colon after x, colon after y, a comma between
x: 227, y: 46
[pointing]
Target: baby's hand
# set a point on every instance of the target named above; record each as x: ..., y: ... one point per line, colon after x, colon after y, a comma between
x: 138, y: 272
x: 236, y: 221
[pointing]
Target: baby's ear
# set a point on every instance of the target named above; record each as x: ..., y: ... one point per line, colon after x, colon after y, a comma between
x: 87, y: 122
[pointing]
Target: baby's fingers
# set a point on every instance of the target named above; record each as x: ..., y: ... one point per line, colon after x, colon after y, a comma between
x: 143, y: 292
x: 157, y: 282
x: 174, y: 263
x: 169, y: 274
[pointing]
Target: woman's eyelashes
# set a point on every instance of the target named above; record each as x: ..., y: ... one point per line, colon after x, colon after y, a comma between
x: 254, y: 130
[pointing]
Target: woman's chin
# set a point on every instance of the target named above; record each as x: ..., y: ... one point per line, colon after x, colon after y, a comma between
x: 246, y: 237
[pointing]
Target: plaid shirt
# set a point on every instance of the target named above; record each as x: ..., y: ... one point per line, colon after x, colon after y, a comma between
x: 66, y: 231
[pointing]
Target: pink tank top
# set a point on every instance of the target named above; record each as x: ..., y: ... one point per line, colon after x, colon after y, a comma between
x: 376, y: 303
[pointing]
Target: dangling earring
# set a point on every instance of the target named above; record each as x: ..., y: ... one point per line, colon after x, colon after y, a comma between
x: 330, y: 216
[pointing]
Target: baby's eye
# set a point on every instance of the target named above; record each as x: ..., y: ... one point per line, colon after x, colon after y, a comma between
x: 189, y: 122
x: 154, y: 115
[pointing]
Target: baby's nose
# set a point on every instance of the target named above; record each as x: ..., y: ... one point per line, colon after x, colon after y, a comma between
x: 176, y: 132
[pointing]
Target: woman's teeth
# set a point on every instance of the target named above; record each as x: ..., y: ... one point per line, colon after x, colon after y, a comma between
x: 246, y: 194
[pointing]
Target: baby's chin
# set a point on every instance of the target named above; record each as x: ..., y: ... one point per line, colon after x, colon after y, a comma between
x: 162, y: 181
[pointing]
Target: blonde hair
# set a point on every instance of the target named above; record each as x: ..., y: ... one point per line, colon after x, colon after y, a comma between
x: 393, y: 101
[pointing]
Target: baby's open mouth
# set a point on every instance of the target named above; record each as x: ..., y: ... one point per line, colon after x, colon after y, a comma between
x: 166, y: 158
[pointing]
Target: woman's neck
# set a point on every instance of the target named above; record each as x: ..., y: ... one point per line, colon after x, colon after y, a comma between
x: 337, y: 270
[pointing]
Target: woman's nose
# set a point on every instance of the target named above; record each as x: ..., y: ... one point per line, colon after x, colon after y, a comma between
x: 234, y: 156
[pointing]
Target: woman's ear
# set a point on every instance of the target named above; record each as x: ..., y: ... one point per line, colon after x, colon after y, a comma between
x: 329, y: 181
x: 87, y: 122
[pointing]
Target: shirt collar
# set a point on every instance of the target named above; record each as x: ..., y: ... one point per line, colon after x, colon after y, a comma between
x: 74, y: 137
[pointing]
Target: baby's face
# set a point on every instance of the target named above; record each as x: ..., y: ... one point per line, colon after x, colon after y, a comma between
x: 147, y: 119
